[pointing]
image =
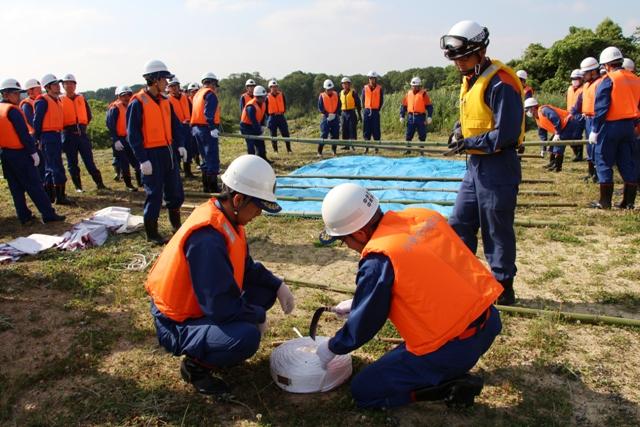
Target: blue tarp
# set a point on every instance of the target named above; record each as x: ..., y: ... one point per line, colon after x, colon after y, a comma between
x: 375, y: 166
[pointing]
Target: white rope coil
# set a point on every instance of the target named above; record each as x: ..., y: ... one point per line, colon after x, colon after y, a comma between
x: 296, y: 368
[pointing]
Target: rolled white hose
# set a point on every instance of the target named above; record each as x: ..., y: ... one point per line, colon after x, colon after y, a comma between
x: 296, y: 368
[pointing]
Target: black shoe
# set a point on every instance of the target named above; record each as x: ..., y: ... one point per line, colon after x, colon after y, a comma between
x: 77, y: 182
x: 128, y: 183
x: 151, y: 228
x: 552, y: 162
x: 457, y: 393
x: 628, y: 197
x: 606, y: 194
x: 202, y: 379
x: 508, y: 295
x: 61, y: 196
x: 174, y: 219
x: 54, y: 218
x: 558, y: 163
x: 97, y: 178
x: 28, y: 221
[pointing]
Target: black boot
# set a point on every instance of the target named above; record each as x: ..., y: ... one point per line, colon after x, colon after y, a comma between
x: 77, y: 182
x: 174, y: 219
x: 552, y: 162
x: 128, y: 183
x: 54, y: 218
x: 591, y: 172
x: 151, y: 228
x: 205, y: 183
x: 577, y: 150
x: 138, y: 178
x: 458, y: 392
x: 97, y: 178
x: 558, y: 163
x: 187, y: 171
x: 201, y: 378
x: 213, y: 183
x: 508, y: 296
x: 606, y: 194
x: 628, y: 197
x: 61, y: 196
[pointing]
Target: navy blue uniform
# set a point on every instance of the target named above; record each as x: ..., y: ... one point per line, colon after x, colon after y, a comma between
x: 349, y: 119
x: 371, y: 120
x: 208, y: 146
x: 329, y: 128
x: 75, y: 140
x: 126, y: 156
x: 278, y: 122
x: 567, y: 133
x: 51, y: 142
x: 254, y: 146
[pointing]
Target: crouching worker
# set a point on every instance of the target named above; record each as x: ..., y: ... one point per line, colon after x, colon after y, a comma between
x: 416, y: 272
x: 209, y: 298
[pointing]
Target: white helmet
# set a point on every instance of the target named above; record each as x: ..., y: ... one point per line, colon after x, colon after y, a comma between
x: 69, y: 78
x: 259, y: 91
x: 522, y: 74
x: 530, y: 102
x: 273, y: 83
x: 346, y: 209
x: 576, y: 74
x: 373, y: 75
x: 31, y: 83
x: 250, y: 82
x: 253, y: 176
x: 345, y: 80
x: 328, y: 84
x: 121, y: 90
x: 589, y: 64
x: 10, y: 84
x: 208, y: 76
x: 628, y: 64
x: 156, y: 66
x: 464, y: 38
x: 48, y: 79
x: 416, y: 81
x: 610, y: 54
x: 174, y: 81
x: 193, y: 86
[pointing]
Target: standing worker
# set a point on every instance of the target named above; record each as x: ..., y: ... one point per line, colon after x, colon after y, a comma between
x: 417, y: 105
x: 415, y: 271
x: 616, y: 110
x: 329, y: 107
x: 116, y: 120
x: 276, y: 107
x: 27, y: 105
x: 574, y: 107
x: 20, y: 158
x: 372, y: 99
x: 192, y: 89
x: 527, y: 90
x: 591, y: 74
x: 205, y: 121
x: 47, y: 127
x: 76, y: 118
x: 247, y: 95
x: 180, y: 105
x: 252, y: 121
x: 152, y: 128
x: 491, y: 129
x: 350, y: 103
x: 209, y: 299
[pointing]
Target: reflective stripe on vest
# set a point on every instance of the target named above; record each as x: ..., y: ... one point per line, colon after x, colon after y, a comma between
x: 121, y: 123
x: 169, y: 280
x: 589, y: 97
x: 260, y: 110
x: 74, y: 111
x: 52, y: 121
x: 180, y: 108
x: 372, y: 97
x: 543, y: 122
x: 9, y: 138
x: 329, y: 102
x: 347, y: 100
x: 197, y: 112
x: 32, y: 103
x: 276, y: 103
x: 440, y: 287
x: 572, y: 96
x: 156, y: 120
x: 417, y: 102
x: 625, y: 96
x: 476, y: 117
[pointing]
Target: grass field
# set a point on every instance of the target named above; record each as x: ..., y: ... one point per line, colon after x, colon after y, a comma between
x: 79, y: 348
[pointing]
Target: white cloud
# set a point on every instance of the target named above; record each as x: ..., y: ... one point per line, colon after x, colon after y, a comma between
x: 220, y: 5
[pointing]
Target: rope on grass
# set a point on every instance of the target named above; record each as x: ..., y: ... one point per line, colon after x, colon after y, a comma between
x: 139, y: 262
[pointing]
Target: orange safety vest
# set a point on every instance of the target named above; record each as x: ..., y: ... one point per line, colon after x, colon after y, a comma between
x: 74, y: 111
x: 625, y: 96
x: 275, y: 104
x: 260, y: 110
x: 572, y: 96
x: 246, y: 98
x: 180, y: 108
x: 330, y: 103
x: 416, y: 103
x: 121, y: 124
x: 32, y: 103
x: 53, y: 118
x: 589, y: 97
x: 169, y: 281
x: 440, y: 287
x: 546, y: 124
x: 9, y: 138
x: 156, y: 120
x: 372, y: 97
x: 197, y: 111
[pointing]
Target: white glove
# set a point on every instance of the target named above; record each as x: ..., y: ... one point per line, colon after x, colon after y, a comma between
x: 343, y: 309
x: 215, y: 133
x: 183, y: 153
x: 118, y: 145
x: 401, y: 120
x: 593, y: 138
x: 324, y: 354
x: 543, y: 153
x: 331, y: 117
x: 36, y: 159
x: 146, y: 168
x: 555, y: 138
x: 429, y: 120
x: 262, y: 327
x: 285, y: 297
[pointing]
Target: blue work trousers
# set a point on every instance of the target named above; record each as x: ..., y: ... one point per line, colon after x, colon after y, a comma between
x: 487, y: 200
x: 254, y: 146
x: 569, y: 132
x: 591, y: 148
x: 371, y: 124
x: 349, y: 124
x: 616, y: 145
x: 416, y: 123
x: 209, y: 150
x: 74, y: 143
x: 278, y: 122
x: 126, y: 158
x: 164, y: 181
x: 329, y: 129
x: 52, y: 150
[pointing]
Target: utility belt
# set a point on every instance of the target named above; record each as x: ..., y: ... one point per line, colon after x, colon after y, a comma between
x: 475, y: 326
x: 76, y: 129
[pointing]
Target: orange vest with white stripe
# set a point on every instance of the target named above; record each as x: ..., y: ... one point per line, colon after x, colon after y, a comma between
x: 74, y: 111
x: 572, y: 96
x: 440, y: 287
x: 625, y: 96
x: 32, y: 103
x: 197, y: 112
x: 121, y: 123
x: 372, y: 97
x: 53, y: 120
x: 329, y: 102
x: 275, y: 104
x: 9, y: 138
x: 589, y: 97
x: 180, y: 108
x: 260, y: 110
x: 169, y: 281
x: 156, y: 120
x: 416, y: 103
x: 543, y: 122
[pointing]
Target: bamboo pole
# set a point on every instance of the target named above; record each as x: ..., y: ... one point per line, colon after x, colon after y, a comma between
x: 403, y: 178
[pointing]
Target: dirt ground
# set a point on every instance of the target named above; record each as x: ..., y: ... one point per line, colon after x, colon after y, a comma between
x: 78, y: 346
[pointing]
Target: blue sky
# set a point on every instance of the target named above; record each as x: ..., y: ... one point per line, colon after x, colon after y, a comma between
x: 106, y: 43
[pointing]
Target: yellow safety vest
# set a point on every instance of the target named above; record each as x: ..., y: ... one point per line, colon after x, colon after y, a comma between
x: 347, y: 101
